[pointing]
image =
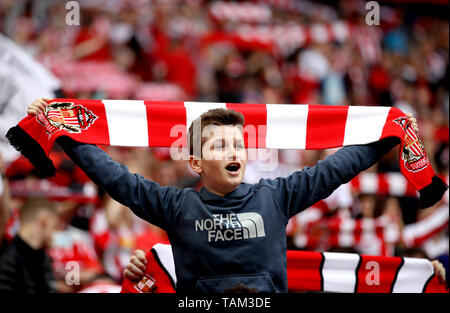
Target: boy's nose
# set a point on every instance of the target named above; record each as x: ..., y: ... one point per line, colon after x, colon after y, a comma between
x: 231, y: 154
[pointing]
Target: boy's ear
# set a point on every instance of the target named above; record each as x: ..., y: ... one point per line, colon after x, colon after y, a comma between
x: 195, y: 164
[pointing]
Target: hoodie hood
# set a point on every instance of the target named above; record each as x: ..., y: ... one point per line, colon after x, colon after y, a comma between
x: 237, y: 196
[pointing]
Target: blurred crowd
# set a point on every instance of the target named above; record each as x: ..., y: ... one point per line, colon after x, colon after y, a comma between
x: 198, y: 50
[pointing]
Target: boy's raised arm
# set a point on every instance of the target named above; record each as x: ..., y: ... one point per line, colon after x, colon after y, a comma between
x: 302, y: 189
x: 145, y: 198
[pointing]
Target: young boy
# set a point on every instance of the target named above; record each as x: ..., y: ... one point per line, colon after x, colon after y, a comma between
x: 229, y: 232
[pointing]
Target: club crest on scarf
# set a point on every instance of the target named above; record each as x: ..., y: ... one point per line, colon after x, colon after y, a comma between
x: 413, y: 153
x: 66, y: 116
x: 145, y: 285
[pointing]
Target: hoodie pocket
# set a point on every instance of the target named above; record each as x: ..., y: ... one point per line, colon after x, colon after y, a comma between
x: 260, y: 282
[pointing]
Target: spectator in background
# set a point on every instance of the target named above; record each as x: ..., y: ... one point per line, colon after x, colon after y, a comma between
x: 5, y: 207
x: 72, y: 244
x: 24, y: 265
x: 417, y: 252
x: 92, y: 42
x: 230, y: 78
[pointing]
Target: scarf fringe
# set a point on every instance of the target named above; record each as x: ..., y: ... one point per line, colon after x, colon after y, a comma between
x: 432, y: 193
x: 30, y: 149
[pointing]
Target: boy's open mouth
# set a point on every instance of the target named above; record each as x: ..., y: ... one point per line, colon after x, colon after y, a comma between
x: 233, y: 168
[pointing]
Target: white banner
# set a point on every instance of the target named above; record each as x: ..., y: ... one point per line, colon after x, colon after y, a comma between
x: 22, y: 80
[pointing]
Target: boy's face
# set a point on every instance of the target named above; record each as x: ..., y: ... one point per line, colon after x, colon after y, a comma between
x: 224, y: 159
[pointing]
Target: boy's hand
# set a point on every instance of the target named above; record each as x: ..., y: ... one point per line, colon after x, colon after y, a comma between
x: 137, y: 266
x: 413, y: 122
x: 439, y: 270
x: 37, y: 106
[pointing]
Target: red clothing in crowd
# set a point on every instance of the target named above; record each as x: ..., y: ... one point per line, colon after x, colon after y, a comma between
x: 102, y: 54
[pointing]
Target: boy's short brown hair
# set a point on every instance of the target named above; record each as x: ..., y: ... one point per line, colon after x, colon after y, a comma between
x: 218, y: 117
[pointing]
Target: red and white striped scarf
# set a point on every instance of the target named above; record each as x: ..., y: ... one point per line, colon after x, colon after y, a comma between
x: 353, y: 273
x: 314, y: 271
x: 416, y: 234
x: 312, y: 230
x: 388, y: 184
x: 141, y: 123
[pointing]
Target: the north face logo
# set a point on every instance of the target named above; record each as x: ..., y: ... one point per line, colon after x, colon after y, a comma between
x: 226, y: 227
